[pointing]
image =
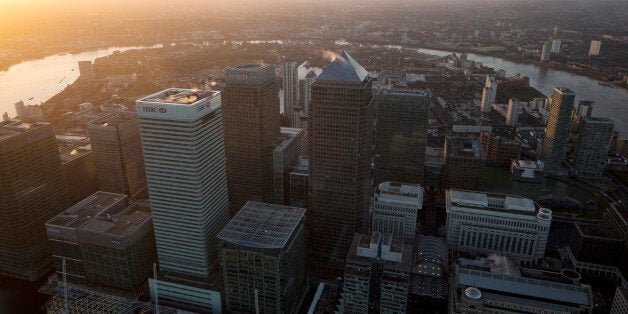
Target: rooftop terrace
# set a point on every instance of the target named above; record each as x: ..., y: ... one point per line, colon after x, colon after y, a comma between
x: 177, y: 96
x: 113, y: 119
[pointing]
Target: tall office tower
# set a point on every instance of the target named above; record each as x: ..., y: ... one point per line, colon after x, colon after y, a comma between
x: 291, y: 92
x: 485, y: 223
x: 464, y: 164
x: 285, y: 154
x: 557, y: 130
x: 594, y: 139
x: 556, y: 31
x: 377, y: 273
x: 340, y: 133
x: 546, y: 51
x: 395, y: 207
x: 86, y: 70
x: 118, y: 156
x: 78, y: 168
x: 105, y: 242
x: 32, y: 190
x: 263, y: 259
x: 512, y: 115
x: 182, y: 139
x: 401, y: 138
x: 305, y: 96
x: 499, y: 151
x: 299, y: 183
x: 252, y: 124
x: 489, y: 92
x: 556, y: 43
x: 594, y: 50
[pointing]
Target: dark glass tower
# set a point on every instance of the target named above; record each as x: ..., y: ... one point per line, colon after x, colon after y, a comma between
x: 340, y: 154
x: 251, y: 122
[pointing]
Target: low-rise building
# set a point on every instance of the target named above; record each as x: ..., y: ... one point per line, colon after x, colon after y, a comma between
x: 527, y: 171
x: 394, y: 209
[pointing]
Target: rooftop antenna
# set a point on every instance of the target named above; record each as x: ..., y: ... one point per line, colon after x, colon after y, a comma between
x: 155, y: 287
x: 65, y: 288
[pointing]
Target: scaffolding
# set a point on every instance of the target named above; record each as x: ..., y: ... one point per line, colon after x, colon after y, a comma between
x: 82, y: 301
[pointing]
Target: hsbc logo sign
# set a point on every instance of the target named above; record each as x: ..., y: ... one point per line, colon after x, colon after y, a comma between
x: 154, y: 109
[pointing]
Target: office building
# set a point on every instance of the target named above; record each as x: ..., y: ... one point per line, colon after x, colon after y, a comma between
x: 105, y: 242
x: 32, y: 190
x: 489, y: 92
x: 512, y: 114
x: 428, y: 280
x: 594, y: 139
x: 479, y: 290
x: 556, y: 45
x: 291, y: 108
x: 620, y: 301
x: 498, y: 150
x: 263, y: 259
x: 79, y: 172
x: 464, y: 164
x: 528, y: 171
x: 252, y: 124
x: 395, y: 207
x: 182, y: 140
x: 340, y: 131
x: 86, y: 70
x: 596, y: 243
x: 546, y: 51
x: 401, y: 138
x: 488, y: 223
x: 556, y: 31
x: 594, y: 49
x: 299, y: 183
x: 285, y: 154
x: 557, y: 130
x: 118, y: 156
x: 377, y: 273
x: 434, y: 167
x: 305, y: 96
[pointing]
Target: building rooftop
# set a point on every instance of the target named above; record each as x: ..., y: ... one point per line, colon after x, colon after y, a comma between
x: 598, y: 231
x: 72, y: 153
x: 491, y: 201
x: 263, y: 225
x: 114, y: 118
x: 598, y: 120
x: 13, y: 128
x: 564, y: 90
x: 386, y: 247
x: 343, y: 69
x: 84, y: 211
x: 178, y: 96
x: 463, y: 147
x: 393, y: 192
x: 434, y: 155
x: 250, y: 74
x: 533, y: 288
x: 120, y: 223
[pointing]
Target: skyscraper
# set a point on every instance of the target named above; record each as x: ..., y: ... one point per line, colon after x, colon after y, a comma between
x: 594, y: 50
x: 305, y: 96
x: 512, y: 115
x: 401, y: 138
x: 252, y: 124
x: 556, y: 45
x: 594, y: 139
x: 86, y: 69
x: 557, y: 129
x: 464, y: 164
x: 341, y: 113
x: 489, y: 92
x: 546, y: 51
x: 32, y: 190
x: 182, y: 138
x: 118, y: 156
x: 263, y: 258
x: 291, y: 92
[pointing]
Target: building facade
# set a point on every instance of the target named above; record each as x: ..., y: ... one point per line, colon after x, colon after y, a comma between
x: 182, y: 139
x: 546, y: 51
x: 251, y: 121
x: 118, y: 156
x: 285, y: 155
x: 291, y: 108
x: 401, y: 138
x: 594, y: 49
x: 395, y: 208
x: 488, y: 223
x: 464, y: 164
x: 263, y: 258
x: 554, y: 145
x: 299, y: 183
x: 32, y: 190
x: 489, y: 92
x: 594, y: 139
x: 340, y: 133
x: 498, y: 150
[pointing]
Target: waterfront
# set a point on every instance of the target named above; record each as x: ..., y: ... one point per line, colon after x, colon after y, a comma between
x: 35, y: 81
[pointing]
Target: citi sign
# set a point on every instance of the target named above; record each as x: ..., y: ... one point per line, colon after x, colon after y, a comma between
x: 154, y: 109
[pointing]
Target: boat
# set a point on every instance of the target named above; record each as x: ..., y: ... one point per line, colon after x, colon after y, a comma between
x: 31, y: 98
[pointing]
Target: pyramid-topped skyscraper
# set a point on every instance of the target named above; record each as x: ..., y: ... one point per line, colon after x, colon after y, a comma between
x: 341, y: 113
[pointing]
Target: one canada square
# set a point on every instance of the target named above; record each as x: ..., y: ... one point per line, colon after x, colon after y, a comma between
x: 183, y: 145
x: 340, y: 152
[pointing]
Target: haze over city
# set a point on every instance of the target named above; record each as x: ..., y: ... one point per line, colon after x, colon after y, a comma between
x: 298, y: 156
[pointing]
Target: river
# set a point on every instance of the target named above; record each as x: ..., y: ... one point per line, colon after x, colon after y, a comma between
x: 43, y: 78
x: 609, y: 102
